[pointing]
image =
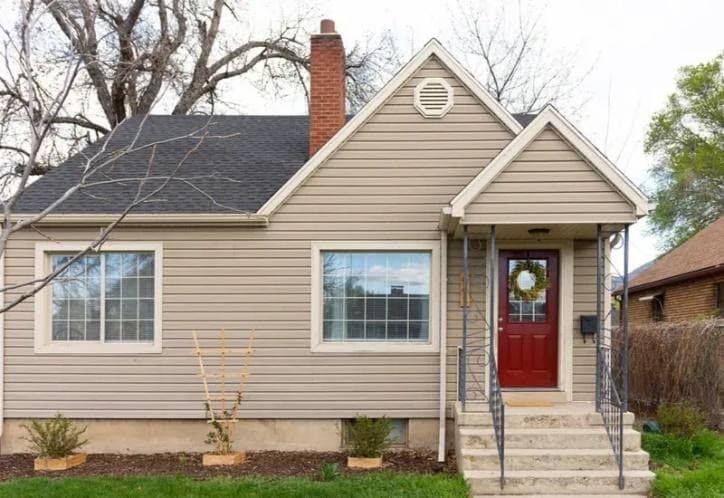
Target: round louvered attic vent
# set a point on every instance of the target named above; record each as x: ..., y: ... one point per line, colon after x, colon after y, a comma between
x: 433, y: 97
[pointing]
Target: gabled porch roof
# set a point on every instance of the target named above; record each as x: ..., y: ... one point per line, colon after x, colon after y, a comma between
x: 616, y: 198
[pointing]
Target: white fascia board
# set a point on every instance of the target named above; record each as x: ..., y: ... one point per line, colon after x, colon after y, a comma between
x: 151, y: 219
x: 431, y: 48
x: 550, y: 116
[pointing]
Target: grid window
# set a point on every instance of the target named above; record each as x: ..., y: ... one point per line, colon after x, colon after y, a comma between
x: 520, y: 310
x: 107, y: 297
x: 376, y: 296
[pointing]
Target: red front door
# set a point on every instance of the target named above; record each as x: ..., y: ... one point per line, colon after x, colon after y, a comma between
x: 528, y: 328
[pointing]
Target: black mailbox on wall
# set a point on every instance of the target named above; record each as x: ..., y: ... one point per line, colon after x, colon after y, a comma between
x: 589, y: 324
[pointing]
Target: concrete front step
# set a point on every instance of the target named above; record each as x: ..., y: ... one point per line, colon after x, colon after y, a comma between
x: 567, y: 482
x: 590, y: 438
x: 532, y: 419
x: 546, y: 459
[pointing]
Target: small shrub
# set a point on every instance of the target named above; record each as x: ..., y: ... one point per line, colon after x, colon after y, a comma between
x: 680, y: 419
x: 222, y: 417
x: 369, y: 437
x: 329, y: 472
x: 54, y: 438
x: 220, y: 435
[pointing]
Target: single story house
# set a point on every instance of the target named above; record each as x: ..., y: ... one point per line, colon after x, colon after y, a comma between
x: 686, y: 283
x: 371, y: 256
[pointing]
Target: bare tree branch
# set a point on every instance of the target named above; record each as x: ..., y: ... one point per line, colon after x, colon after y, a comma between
x: 40, y: 109
x: 508, y: 51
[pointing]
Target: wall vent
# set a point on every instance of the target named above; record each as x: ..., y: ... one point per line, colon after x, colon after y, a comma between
x: 433, y: 97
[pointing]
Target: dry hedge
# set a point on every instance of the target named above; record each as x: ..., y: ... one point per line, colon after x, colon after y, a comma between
x: 675, y: 362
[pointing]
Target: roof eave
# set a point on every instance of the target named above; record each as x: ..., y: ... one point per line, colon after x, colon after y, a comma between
x: 150, y: 220
x: 674, y: 279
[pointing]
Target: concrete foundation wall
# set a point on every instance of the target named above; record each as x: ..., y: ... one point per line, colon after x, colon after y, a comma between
x: 161, y: 436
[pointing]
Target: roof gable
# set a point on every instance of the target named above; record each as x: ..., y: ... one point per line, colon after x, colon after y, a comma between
x: 549, y: 182
x: 549, y: 118
x: 432, y: 49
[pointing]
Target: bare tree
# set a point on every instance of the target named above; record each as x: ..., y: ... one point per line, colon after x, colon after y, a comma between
x: 506, y: 46
x: 38, y: 107
x: 179, y: 56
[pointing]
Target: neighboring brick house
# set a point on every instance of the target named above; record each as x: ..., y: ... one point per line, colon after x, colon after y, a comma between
x: 684, y: 284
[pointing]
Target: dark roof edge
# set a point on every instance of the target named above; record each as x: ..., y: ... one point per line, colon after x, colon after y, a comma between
x: 702, y: 272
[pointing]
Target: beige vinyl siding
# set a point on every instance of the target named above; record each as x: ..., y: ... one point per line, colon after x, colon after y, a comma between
x: 584, y: 303
x: 549, y: 182
x: 388, y: 182
x: 476, y: 313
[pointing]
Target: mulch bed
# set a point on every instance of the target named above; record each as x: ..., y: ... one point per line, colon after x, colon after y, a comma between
x: 258, y: 463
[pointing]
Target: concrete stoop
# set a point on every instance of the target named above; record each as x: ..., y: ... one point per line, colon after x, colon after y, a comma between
x: 561, y: 450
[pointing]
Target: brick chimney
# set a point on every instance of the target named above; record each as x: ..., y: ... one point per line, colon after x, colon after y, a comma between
x: 327, y: 87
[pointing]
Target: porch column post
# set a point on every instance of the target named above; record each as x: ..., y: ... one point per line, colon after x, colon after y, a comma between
x: 599, y: 314
x: 493, y: 327
x: 464, y: 359
x: 624, y: 321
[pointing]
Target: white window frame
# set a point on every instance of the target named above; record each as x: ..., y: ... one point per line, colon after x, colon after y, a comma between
x: 43, y: 301
x: 318, y: 345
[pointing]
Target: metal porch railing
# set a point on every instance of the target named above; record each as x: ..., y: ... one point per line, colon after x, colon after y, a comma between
x: 609, y: 403
x: 477, y: 352
x: 497, y: 410
x: 612, y: 410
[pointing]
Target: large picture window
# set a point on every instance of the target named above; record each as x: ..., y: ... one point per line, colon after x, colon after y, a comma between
x: 378, y: 296
x: 106, y: 300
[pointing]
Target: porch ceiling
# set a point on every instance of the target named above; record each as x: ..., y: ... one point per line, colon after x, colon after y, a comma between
x: 561, y: 231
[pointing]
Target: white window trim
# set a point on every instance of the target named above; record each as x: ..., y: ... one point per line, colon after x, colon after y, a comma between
x: 319, y: 346
x: 43, y: 304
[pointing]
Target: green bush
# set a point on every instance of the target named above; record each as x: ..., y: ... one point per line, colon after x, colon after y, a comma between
x: 328, y: 472
x: 369, y: 437
x: 54, y: 438
x: 680, y: 419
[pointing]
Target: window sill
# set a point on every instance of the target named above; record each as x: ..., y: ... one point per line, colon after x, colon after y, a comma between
x: 111, y: 348
x: 374, y: 347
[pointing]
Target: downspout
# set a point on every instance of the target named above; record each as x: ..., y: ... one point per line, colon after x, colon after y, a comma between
x: 443, y: 348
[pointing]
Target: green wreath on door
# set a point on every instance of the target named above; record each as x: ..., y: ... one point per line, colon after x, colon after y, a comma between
x: 539, y: 285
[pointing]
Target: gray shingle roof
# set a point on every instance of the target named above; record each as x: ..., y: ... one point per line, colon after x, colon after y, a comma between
x: 241, y: 163
x: 238, y: 166
x: 524, y: 118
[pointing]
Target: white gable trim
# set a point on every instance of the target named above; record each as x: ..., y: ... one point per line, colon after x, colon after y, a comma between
x: 431, y: 48
x: 551, y: 116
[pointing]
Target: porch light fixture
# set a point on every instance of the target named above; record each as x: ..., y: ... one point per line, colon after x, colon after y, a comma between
x: 539, y: 231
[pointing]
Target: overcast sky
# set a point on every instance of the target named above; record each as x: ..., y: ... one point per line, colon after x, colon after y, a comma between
x: 636, y: 47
